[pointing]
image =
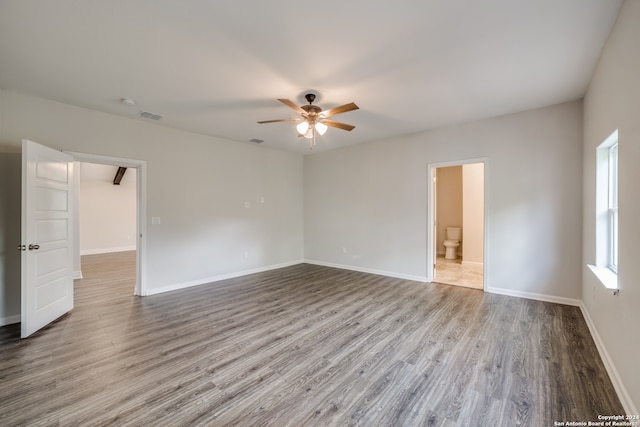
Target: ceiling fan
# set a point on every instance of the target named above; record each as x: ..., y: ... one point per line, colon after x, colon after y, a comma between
x: 314, y: 119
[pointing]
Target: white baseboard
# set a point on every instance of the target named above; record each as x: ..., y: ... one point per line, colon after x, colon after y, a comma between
x: 77, y: 274
x: 534, y: 296
x: 443, y: 253
x: 208, y: 280
x: 107, y: 250
x: 623, y: 394
x: 472, y: 263
x: 368, y: 270
x: 9, y: 320
x: 618, y: 385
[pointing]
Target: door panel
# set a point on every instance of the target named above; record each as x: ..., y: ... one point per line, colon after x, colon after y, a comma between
x: 51, y: 199
x: 47, y: 262
x: 52, y: 230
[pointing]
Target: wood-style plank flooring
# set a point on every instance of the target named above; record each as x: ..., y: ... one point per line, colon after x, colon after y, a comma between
x: 301, y: 346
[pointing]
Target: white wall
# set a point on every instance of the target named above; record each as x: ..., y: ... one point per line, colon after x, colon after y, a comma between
x: 449, y: 203
x: 371, y: 199
x: 197, y: 184
x: 613, y: 102
x: 10, y: 202
x: 364, y: 206
x: 473, y: 213
x: 107, y: 211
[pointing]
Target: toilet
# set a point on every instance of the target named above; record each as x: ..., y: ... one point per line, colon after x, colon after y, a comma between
x: 452, y: 242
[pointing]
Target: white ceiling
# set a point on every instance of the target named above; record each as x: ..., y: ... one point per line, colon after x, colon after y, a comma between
x: 216, y: 67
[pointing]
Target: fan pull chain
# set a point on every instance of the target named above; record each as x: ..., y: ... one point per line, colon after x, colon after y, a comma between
x: 312, y: 141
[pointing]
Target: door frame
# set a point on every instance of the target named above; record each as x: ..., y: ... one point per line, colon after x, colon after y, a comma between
x: 431, y: 215
x: 141, y: 208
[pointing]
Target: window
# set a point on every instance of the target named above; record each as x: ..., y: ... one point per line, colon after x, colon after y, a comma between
x: 606, y: 257
x: 612, y: 238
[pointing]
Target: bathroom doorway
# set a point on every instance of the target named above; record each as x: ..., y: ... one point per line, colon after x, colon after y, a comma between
x: 457, y: 223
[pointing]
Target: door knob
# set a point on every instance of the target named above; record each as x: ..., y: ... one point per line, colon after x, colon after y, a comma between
x: 32, y: 247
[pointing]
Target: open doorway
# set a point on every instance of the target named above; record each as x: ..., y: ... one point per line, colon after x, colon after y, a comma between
x: 107, y: 228
x: 48, y: 188
x: 457, y: 223
x: 116, y: 237
x: 107, y: 211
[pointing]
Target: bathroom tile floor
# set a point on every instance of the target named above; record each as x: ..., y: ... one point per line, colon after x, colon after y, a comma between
x: 452, y: 272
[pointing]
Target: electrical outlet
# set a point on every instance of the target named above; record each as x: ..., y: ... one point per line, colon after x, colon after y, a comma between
x: 155, y: 220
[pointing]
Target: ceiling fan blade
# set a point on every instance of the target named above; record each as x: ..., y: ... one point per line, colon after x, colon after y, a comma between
x: 278, y: 120
x: 338, y: 110
x: 338, y: 125
x: 293, y: 106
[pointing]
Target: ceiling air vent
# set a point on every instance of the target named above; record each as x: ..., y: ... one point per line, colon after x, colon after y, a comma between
x: 256, y: 140
x: 119, y: 174
x: 148, y: 115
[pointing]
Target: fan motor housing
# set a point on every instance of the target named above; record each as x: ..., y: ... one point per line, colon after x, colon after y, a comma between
x: 312, y: 110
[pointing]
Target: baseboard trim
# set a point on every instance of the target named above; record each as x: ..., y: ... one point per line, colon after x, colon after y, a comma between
x: 473, y: 263
x: 107, y: 250
x: 368, y: 270
x: 534, y: 296
x: 209, y: 280
x: 77, y: 274
x: 618, y: 385
x: 9, y: 320
x: 623, y: 394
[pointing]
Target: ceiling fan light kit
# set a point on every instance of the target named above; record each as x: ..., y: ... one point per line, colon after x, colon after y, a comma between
x: 302, y: 127
x: 314, y: 119
x: 321, y: 128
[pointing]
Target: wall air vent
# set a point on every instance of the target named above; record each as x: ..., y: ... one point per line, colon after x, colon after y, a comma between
x: 148, y: 115
x: 256, y: 140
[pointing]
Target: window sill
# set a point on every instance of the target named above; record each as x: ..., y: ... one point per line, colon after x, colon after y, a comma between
x: 607, y: 277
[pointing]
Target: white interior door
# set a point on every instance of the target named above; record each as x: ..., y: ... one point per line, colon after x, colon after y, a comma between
x: 47, y: 246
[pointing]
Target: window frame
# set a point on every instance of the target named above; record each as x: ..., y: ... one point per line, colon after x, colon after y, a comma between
x: 612, y: 208
x: 606, y: 213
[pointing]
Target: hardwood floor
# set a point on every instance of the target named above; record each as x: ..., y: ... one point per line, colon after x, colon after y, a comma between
x: 301, y: 346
